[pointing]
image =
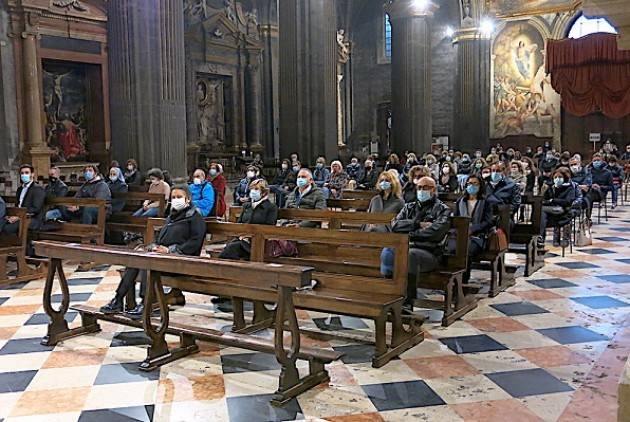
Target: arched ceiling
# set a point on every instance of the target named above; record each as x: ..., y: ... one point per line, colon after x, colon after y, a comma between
x: 617, y: 12
x: 507, y: 8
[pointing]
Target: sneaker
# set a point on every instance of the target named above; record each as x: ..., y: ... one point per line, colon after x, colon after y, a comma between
x: 113, y: 307
x: 135, y: 313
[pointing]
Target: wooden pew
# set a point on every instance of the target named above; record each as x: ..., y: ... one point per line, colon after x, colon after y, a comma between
x: 204, y: 276
x: 335, y: 219
x: 348, y: 204
x: 125, y: 221
x: 76, y: 232
x: 359, y: 194
x: 15, y: 246
x: 524, y: 236
x: 347, y: 269
x: 449, y: 279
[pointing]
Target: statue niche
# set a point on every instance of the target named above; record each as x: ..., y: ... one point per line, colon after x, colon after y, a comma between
x: 210, y: 112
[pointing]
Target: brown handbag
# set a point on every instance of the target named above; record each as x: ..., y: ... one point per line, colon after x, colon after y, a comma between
x: 497, y: 241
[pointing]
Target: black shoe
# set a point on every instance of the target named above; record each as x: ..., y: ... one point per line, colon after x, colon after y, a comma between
x: 135, y: 313
x: 113, y: 307
x: 540, y: 242
x: 220, y: 299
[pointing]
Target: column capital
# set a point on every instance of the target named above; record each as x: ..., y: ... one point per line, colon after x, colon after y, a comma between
x: 404, y: 9
x: 470, y: 34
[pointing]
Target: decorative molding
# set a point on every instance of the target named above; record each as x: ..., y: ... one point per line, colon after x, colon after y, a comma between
x: 70, y: 4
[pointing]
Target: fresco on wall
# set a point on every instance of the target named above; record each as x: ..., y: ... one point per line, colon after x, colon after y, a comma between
x: 533, y: 7
x: 65, y: 100
x: 524, y: 103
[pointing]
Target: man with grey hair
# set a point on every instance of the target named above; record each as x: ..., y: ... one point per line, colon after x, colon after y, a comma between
x: 306, y: 196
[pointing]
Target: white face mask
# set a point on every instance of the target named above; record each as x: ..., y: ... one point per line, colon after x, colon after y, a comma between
x: 113, y: 178
x: 178, y: 203
x: 446, y: 170
x: 251, y: 174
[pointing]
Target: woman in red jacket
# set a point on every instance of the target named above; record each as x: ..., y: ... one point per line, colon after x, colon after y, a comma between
x: 216, y: 178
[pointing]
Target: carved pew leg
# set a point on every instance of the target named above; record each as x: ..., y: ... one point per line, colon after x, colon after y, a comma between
x: 464, y: 303
x: 290, y: 384
x: 402, y: 339
x: 158, y: 353
x: 263, y: 318
x: 239, y: 314
x: 58, y: 327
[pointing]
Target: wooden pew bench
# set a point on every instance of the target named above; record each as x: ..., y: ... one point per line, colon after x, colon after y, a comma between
x: 348, y: 204
x: 74, y: 231
x: 199, y: 275
x: 523, y: 237
x: 349, y: 282
x: 15, y: 246
x: 124, y: 221
x: 359, y: 194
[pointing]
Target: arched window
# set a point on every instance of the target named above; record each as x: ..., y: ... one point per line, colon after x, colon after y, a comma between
x: 388, y: 37
x: 584, y: 26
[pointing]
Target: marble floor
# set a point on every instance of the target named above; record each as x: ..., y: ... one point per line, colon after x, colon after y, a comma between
x: 549, y: 349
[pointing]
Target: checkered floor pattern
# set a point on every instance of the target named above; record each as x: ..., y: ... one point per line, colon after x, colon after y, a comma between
x: 550, y: 348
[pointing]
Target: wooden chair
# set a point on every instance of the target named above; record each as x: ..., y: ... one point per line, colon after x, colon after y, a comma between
x: 16, y: 246
x: 523, y: 237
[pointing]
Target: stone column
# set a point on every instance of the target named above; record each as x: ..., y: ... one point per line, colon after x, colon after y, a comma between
x: 37, y: 152
x: 254, y: 109
x: 411, y: 75
x: 308, y: 77
x: 472, y: 90
x: 148, y: 110
x: 269, y: 36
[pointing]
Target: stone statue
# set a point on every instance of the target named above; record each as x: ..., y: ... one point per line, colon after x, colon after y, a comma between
x: 230, y: 9
x: 196, y: 9
x: 67, y: 4
x: 252, y: 23
x: 211, y: 124
x: 343, y: 46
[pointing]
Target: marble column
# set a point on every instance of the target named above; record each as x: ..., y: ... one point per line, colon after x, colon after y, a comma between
x: 269, y: 36
x: 148, y: 110
x: 472, y: 90
x: 411, y: 74
x: 254, y: 103
x: 9, y: 138
x: 308, y: 77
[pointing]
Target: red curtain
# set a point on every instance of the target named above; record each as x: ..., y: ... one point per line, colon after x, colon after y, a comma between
x: 591, y: 74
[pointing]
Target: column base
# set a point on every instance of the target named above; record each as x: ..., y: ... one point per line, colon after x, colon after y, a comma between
x: 39, y: 157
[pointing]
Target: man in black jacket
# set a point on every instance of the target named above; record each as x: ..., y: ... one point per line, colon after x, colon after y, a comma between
x: 427, y: 221
x: 183, y: 234
x: 55, y: 188
x: 31, y: 196
x: 94, y: 187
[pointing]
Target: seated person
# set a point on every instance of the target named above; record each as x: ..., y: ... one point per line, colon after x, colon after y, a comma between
x: 321, y: 174
x: 581, y: 176
x: 478, y: 208
x: 412, y: 161
x: 201, y: 193
x: 306, y: 196
x: 29, y: 195
x: 393, y: 163
x: 518, y: 175
x: 218, y: 182
x: 447, y: 182
x: 258, y: 211
x: 502, y: 188
x: 410, y: 188
x: 159, y: 186
x: 388, y: 200
x: 183, y: 234
x: 618, y: 176
x: 464, y: 169
x: 602, y: 178
x: 370, y: 176
x: 529, y: 170
x: 55, y: 188
x: 284, y: 181
x: 338, y: 180
x: 95, y: 188
x: 3, y: 213
x: 132, y: 174
x: 427, y: 221
x: 241, y: 192
x: 354, y: 170
x: 559, y: 208
x: 116, y: 184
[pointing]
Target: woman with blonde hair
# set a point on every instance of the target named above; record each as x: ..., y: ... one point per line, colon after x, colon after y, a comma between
x: 433, y: 165
x: 388, y: 200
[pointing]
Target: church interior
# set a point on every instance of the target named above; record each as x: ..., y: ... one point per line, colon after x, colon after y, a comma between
x: 314, y: 210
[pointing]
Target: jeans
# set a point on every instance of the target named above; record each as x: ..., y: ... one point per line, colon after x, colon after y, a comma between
x: 421, y: 261
x: 151, y: 212
x: 615, y: 193
x: 53, y: 215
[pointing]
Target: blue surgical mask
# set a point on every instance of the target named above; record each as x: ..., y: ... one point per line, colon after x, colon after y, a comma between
x: 302, y: 182
x: 385, y: 185
x: 296, y: 168
x: 320, y: 165
x: 423, y: 195
x: 255, y: 195
x: 89, y: 175
x: 597, y: 164
x: 25, y: 178
x: 213, y: 172
x: 472, y: 189
x: 558, y: 181
x: 496, y: 177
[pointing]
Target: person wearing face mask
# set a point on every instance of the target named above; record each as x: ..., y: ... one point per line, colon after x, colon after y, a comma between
x: 55, y: 188
x: 474, y: 204
x: 30, y: 195
x: 158, y: 186
x: 94, y: 188
x: 560, y: 204
x: 478, y: 154
x: 626, y: 155
x: 413, y: 179
x: 427, y: 222
x: 602, y: 179
x: 219, y: 184
x: 321, y: 174
x: 528, y: 152
x: 478, y: 165
x: 259, y: 210
x: 370, y: 176
x: 306, y: 196
x: 116, y: 184
x: 618, y: 176
x: 503, y: 189
x: 447, y: 182
x: 183, y: 234
x: 581, y: 176
x: 132, y: 174
x: 241, y: 192
x: 393, y: 162
x: 433, y: 165
x: 412, y: 161
x: 338, y: 180
x: 202, y: 193
x: 388, y: 200
x: 283, y: 183
x: 549, y: 163
x: 530, y: 171
x: 517, y: 175
x: 354, y: 170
